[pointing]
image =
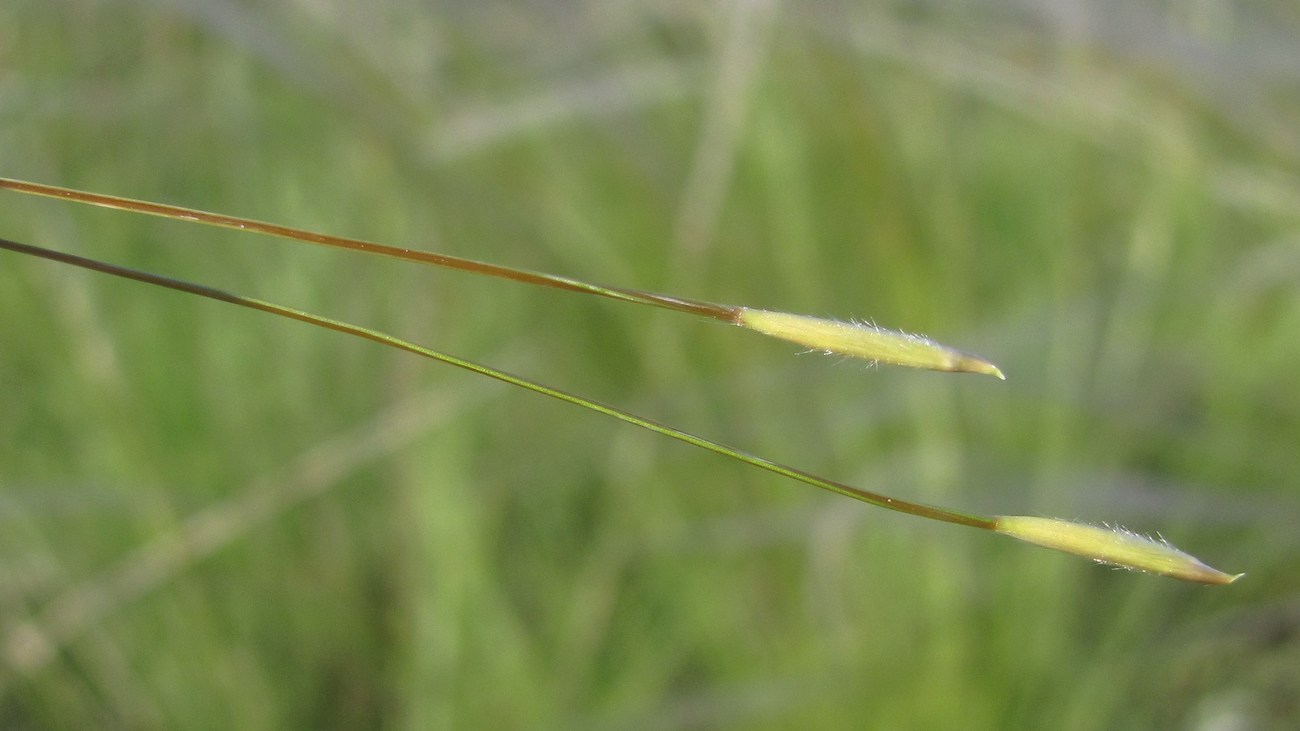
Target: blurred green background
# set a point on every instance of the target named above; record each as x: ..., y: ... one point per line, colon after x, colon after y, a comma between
x: 211, y: 518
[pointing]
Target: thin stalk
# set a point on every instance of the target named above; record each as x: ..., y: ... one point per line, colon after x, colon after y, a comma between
x: 853, y: 339
x: 884, y: 501
x: 726, y: 313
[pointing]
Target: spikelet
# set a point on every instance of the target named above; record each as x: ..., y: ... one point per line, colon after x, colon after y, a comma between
x: 1112, y: 545
x: 863, y: 340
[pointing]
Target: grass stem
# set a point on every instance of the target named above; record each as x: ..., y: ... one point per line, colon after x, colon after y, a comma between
x: 850, y: 339
x: 925, y: 511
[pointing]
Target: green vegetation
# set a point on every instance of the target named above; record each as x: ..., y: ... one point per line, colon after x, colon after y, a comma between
x: 212, y: 518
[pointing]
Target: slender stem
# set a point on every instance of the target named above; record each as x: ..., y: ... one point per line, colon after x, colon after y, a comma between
x: 855, y: 340
x: 726, y: 313
x: 884, y: 501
